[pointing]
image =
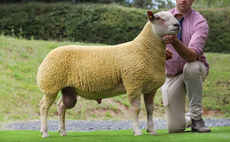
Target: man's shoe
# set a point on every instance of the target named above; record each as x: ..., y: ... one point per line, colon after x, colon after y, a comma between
x: 199, y: 126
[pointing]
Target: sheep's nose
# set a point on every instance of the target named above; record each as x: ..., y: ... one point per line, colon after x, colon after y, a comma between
x: 177, y: 25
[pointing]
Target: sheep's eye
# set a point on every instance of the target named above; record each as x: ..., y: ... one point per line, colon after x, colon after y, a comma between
x: 158, y: 18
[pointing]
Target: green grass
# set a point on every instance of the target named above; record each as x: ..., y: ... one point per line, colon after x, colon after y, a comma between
x: 217, y: 85
x: 218, y: 134
x: 20, y: 95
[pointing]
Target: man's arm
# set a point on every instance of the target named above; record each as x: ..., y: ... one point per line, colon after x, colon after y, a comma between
x: 186, y: 53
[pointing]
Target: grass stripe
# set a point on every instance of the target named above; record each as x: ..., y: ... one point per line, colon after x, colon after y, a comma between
x: 218, y: 134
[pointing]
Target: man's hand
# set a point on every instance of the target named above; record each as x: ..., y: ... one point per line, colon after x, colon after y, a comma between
x: 169, y: 54
x: 170, y: 39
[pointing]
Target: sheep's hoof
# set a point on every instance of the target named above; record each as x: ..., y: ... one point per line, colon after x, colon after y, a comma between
x: 138, y: 133
x: 63, y: 133
x: 152, y: 132
x: 45, y: 135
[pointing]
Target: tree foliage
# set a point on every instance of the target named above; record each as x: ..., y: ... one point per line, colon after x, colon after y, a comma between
x: 97, y: 23
x: 211, y: 3
x: 152, y: 4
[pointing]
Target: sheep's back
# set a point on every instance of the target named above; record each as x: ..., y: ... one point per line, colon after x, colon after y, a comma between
x: 90, y: 69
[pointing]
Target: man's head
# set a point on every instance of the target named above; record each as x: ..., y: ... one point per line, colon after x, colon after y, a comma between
x: 184, y: 5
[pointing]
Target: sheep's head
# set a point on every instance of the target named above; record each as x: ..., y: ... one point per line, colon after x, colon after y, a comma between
x: 164, y: 23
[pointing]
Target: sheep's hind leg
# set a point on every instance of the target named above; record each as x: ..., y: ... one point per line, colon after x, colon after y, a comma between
x: 149, y: 105
x: 45, y: 104
x: 67, y: 101
x: 61, y: 114
x: 135, y: 104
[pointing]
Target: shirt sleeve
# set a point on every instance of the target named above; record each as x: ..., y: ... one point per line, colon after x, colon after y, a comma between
x: 199, y: 37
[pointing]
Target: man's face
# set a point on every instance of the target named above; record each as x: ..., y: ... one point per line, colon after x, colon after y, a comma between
x: 184, y: 5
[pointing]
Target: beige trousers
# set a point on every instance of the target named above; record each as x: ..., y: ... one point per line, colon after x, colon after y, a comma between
x: 174, y: 91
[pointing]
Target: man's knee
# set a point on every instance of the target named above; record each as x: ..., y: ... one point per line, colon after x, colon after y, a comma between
x: 192, y: 68
x: 176, y: 127
x: 195, y: 69
x: 175, y: 118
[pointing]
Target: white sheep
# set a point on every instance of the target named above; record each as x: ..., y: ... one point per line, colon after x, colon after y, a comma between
x: 95, y: 73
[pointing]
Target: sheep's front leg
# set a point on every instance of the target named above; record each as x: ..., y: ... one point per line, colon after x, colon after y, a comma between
x: 149, y: 105
x: 61, y: 114
x: 135, y: 104
x: 45, y: 104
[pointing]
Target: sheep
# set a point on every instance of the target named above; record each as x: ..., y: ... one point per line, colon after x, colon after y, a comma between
x: 133, y: 68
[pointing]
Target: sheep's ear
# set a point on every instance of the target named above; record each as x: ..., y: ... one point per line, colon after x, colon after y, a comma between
x: 150, y: 15
x: 178, y: 16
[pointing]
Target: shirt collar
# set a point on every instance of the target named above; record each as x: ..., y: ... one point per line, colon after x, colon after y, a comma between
x: 185, y: 15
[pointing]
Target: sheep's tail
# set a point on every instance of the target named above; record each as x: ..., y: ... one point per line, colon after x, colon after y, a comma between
x: 69, y: 97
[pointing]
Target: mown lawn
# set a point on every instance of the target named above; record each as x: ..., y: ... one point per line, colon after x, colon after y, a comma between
x: 218, y: 134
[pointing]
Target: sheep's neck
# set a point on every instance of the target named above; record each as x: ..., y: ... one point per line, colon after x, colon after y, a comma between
x: 149, y: 42
x: 152, y: 51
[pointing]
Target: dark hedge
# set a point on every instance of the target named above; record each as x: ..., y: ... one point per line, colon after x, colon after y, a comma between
x: 96, y: 23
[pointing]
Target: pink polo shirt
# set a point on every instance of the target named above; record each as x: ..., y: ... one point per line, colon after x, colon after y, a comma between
x: 194, y: 35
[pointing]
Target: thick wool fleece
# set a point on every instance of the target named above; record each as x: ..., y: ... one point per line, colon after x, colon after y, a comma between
x: 97, y: 71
